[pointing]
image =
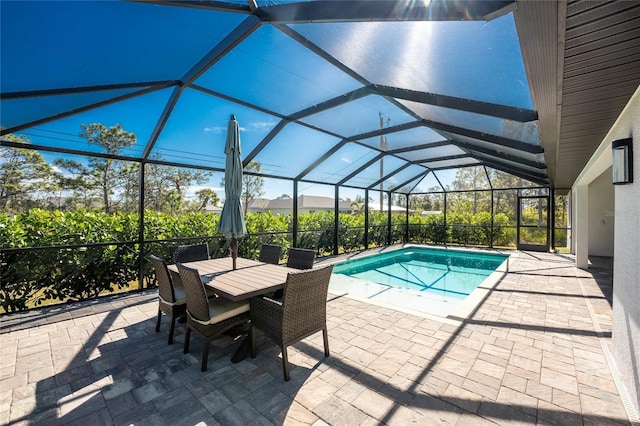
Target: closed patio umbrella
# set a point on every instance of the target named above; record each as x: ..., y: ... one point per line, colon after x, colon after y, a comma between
x: 232, y: 218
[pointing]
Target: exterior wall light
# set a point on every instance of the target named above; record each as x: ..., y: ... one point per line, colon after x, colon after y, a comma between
x: 622, y: 158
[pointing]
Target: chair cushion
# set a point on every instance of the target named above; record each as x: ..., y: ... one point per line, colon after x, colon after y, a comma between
x: 181, y: 297
x: 221, y: 309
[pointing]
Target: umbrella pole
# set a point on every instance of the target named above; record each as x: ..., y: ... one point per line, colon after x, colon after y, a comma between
x: 234, y: 251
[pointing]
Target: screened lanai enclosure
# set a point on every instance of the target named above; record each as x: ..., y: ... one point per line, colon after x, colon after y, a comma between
x: 362, y: 123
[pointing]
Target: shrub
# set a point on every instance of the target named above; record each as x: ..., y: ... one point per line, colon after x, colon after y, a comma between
x: 99, y: 252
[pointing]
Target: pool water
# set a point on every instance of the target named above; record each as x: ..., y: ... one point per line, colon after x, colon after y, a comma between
x: 424, y: 279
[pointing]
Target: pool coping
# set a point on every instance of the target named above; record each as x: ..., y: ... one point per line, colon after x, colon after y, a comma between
x: 464, y: 310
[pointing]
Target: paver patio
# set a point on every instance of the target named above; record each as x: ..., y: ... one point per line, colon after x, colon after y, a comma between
x: 534, y: 352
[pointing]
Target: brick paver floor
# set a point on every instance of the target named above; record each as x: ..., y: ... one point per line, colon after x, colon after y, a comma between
x: 534, y: 352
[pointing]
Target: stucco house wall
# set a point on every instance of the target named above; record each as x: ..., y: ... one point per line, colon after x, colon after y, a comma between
x: 625, y: 342
x: 626, y: 268
x: 601, y: 215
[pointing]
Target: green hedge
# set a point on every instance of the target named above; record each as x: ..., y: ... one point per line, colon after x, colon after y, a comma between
x: 39, y: 275
x: 30, y: 277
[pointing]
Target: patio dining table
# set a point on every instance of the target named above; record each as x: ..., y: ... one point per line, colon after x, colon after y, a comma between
x: 250, y: 278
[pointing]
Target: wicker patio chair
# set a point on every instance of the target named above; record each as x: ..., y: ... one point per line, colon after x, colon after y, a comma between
x: 298, y: 259
x: 270, y: 253
x: 301, y: 313
x: 172, y: 298
x: 301, y: 258
x: 188, y: 253
x: 208, y: 317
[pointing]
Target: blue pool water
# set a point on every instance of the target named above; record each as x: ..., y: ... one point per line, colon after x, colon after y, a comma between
x: 424, y: 279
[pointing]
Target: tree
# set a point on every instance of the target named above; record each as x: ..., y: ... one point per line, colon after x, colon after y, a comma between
x: 26, y: 180
x: 107, y: 173
x: 108, y: 184
x: 206, y: 196
x: 502, y: 180
x: 174, y: 201
x: 432, y: 200
x: 359, y: 198
x: 284, y: 197
x: 177, y: 180
x: 166, y: 186
x: 561, y: 204
x: 400, y: 198
x: 130, y: 193
x: 252, y: 184
x: 470, y: 179
x: 505, y: 199
x: 99, y: 182
x: 81, y: 190
x: 357, y: 207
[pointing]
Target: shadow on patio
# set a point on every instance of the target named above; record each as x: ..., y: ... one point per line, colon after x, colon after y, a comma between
x: 532, y: 352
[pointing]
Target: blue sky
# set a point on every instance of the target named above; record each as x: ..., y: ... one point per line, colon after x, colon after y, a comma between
x: 80, y: 44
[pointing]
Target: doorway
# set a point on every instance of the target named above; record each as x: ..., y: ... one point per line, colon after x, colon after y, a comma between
x: 533, y: 223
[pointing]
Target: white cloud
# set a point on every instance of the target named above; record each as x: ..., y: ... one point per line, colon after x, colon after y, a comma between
x: 216, y: 130
x: 260, y: 125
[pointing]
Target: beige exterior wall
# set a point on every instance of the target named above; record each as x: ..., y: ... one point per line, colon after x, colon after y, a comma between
x: 601, y: 215
x: 625, y: 346
x: 626, y: 269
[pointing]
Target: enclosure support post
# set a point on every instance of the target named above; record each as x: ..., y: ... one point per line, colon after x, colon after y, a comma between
x: 294, y: 236
x: 445, y: 219
x: 492, y: 233
x: 336, y: 218
x: 406, y: 230
x: 389, y: 218
x: 552, y: 213
x: 518, y: 217
x: 141, y: 226
x: 366, y: 219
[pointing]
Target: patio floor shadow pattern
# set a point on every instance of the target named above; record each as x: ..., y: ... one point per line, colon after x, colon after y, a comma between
x: 534, y: 352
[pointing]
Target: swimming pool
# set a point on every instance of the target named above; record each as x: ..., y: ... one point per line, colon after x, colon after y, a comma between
x: 428, y: 280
